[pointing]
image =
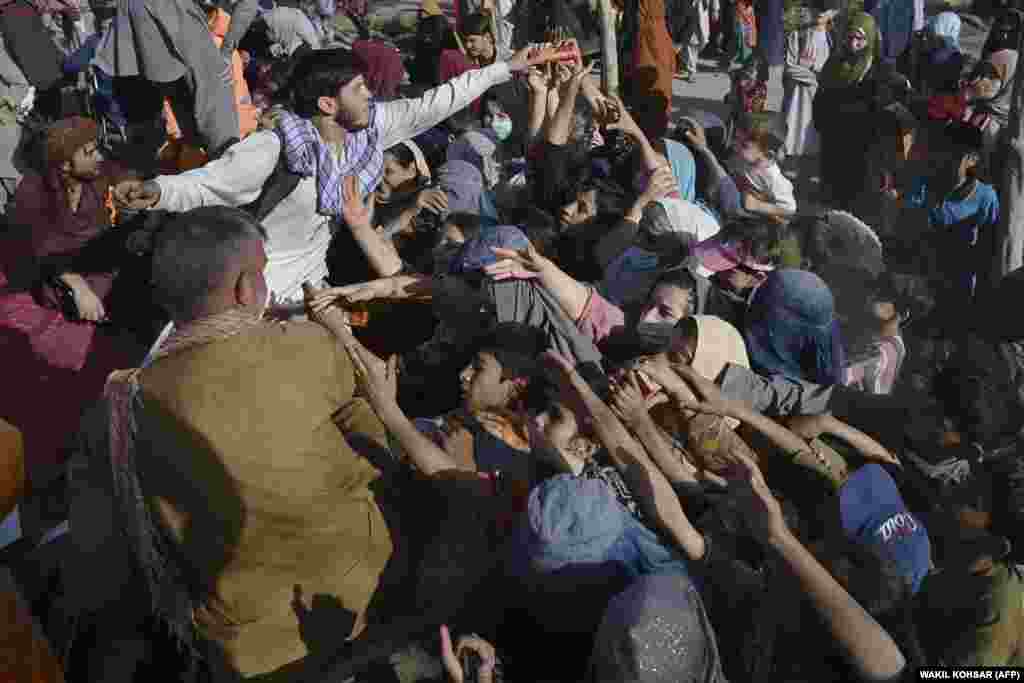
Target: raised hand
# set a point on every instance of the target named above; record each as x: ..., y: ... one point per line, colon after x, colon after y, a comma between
x: 322, y: 308
x: 351, y: 294
x: 628, y: 398
x: 354, y: 210
x: 521, y: 264
x: 661, y: 184
x: 377, y: 379
x: 450, y: 656
x: 624, y: 121
x: 761, y: 511
x: 432, y: 199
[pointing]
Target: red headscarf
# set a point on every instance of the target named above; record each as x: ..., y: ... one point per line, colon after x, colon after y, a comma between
x: 384, y: 68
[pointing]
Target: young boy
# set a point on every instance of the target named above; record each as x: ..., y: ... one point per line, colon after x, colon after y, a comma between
x: 763, y: 191
x: 962, y: 216
x: 877, y: 371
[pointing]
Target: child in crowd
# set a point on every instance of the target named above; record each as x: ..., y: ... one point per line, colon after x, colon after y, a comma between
x: 763, y: 189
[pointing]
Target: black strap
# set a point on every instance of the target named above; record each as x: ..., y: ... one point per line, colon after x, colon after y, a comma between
x: 279, y: 185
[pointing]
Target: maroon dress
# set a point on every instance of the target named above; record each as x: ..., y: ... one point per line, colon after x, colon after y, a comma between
x: 53, y: 366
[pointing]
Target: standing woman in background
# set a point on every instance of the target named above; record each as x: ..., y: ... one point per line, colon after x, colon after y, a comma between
x: 649, y: 64
x: 845, y: 96
x: 807, y: 50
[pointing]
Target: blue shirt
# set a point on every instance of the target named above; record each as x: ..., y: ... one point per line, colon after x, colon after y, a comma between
x: 959, y: 224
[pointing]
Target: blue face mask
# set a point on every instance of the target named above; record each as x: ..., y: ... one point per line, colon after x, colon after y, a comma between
x: 502, y: 127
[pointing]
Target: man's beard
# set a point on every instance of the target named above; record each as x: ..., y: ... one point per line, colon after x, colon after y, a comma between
x: 346, y: 122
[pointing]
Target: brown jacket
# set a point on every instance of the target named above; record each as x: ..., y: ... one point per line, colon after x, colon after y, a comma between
x: 242, y: 449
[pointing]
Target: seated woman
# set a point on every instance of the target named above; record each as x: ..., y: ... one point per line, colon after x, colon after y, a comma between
x: 63, y: 283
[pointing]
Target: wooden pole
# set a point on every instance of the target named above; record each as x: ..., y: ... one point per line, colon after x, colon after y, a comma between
x: 609, y: 49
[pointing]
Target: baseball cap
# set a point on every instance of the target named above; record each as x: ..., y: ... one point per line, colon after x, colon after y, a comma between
x: 873, y: 514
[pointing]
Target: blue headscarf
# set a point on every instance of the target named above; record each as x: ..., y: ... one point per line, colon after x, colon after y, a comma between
x: 467, y: 193
x: 792, y: 329
x: 684, y: 168
x: 947, y: 27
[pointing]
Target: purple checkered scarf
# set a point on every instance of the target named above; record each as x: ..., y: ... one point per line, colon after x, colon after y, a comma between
x: 307, y: 154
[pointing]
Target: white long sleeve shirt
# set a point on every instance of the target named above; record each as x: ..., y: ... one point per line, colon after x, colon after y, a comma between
x: 298, y: 236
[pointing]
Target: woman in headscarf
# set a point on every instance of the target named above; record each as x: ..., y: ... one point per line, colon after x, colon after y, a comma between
x: 792, y: 329
x: 944, y: 62
x: 842, y: 109
x: 1005, y: 63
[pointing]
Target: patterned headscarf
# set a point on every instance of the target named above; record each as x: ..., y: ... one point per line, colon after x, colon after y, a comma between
x: 656, y: 631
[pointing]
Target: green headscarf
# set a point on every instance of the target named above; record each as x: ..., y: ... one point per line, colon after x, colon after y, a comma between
x: 843, y: 68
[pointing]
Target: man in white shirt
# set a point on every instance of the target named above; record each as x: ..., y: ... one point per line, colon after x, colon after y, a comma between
x: 334, y: 98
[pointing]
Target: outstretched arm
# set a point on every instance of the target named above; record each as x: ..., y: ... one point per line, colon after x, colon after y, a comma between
x: 653, y: 491
x: 404, y: 119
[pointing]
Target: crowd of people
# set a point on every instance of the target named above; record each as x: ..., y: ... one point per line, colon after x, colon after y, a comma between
x: 336, y: 357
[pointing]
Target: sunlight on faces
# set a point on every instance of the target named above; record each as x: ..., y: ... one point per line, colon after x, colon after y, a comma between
x: 482, y: 385
x: 667, y: 304
x: 856, y: 40
x: 558, y: 441
x: 351, y: 107
x: 396, y: 177
x: 480, y: 47
x: 747, y: 149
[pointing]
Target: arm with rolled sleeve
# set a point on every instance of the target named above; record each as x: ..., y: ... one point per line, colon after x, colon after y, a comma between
x: 404, y: 119
x: 235, y: 179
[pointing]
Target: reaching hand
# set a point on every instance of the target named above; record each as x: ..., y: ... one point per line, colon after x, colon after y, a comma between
x: 90, y: 307
x: 354, y: 210
x: 628, y: 399
x: 518, y: 264
x: 450, y: 656
x: 712, y: 400
x: 351, y: 294
x: 624, y: 121
x: 532, y: 56
x: 662, y: 183
x: 761, y: 512
x: 377, y: 379
x: 322, y: 308
x: 537, y: 80
x: 661, y: 371
x: 432, y: 199
x: 695, y: 135
x: 136, y: 194
x: 572, y: 74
